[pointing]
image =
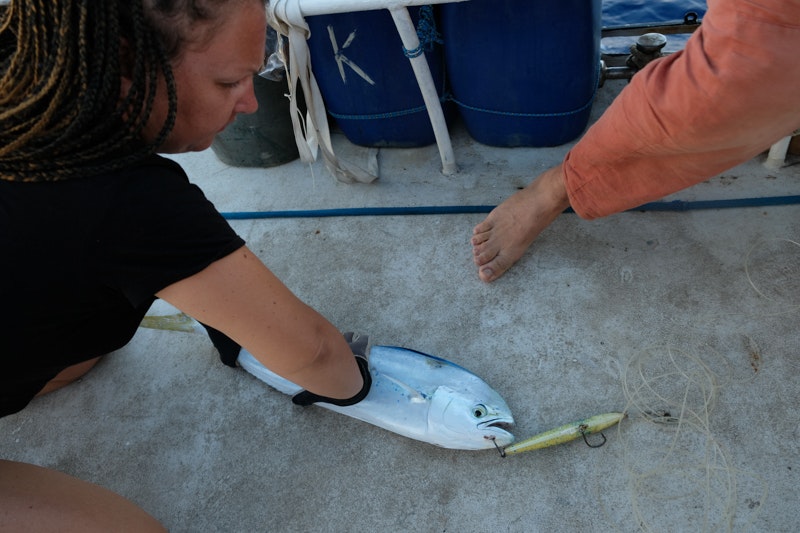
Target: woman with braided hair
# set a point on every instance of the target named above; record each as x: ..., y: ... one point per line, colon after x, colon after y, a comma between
x: 94, y: 225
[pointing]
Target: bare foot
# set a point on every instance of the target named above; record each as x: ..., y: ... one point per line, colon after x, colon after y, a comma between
x: 508, y: 231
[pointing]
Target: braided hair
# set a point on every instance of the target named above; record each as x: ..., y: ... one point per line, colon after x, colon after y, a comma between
x: 61, y: 61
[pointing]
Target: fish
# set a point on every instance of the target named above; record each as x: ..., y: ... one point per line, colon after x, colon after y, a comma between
x: 413, y: 394
x: 565, y: 433
x: 419, y: 396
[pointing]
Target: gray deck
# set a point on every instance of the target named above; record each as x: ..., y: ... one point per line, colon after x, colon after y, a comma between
x: 690, y: 313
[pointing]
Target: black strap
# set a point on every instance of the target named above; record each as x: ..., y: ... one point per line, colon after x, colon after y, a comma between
x: 227, y: 348
x: 307, y: 398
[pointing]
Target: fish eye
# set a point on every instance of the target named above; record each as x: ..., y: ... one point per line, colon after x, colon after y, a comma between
x: 479, y: 411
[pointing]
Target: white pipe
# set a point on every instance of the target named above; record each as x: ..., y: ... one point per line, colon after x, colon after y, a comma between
x: 408, y: 33
x: 777, y: 153
x: 291, y: 14
x: 309, y: 8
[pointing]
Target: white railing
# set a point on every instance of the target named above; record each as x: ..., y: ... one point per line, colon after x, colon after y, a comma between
x: 285, y: 12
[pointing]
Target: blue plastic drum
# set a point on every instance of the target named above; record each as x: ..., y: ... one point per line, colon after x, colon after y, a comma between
x: 523, y: 72
x: 366, y: 79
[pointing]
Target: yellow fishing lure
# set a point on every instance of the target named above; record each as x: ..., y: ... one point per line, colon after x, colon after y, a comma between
x: 565, y: 433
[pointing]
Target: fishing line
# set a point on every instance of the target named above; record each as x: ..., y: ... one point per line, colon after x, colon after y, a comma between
x: 679, y: 475
x: 771, y: 270
x: 771, y: 267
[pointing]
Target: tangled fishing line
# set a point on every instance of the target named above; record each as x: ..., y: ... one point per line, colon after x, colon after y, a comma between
x: 772, y: 270
x: 680, y: 476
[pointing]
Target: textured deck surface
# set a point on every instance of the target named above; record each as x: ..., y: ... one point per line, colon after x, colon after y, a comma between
x: 689, y: 315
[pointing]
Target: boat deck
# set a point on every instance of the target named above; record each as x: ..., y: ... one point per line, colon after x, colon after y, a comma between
x: 686, y: 320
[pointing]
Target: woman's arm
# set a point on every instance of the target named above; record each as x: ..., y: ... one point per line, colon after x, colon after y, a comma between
x: 239, y: 296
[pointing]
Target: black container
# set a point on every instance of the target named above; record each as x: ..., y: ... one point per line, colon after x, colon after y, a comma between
x: 264, y: 138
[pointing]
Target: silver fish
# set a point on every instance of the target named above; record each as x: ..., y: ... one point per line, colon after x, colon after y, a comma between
x: 419, y: 396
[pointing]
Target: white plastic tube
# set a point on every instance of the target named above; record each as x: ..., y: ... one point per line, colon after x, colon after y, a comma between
x: 777, y: 153
x: 408, y: 34
x: 309, y: 8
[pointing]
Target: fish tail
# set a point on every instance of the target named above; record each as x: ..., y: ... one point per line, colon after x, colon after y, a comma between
x: 176, y: 322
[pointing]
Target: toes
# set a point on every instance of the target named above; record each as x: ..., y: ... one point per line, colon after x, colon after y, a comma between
x: 493, y: 269
x: 481, y: 257
x: 482, y: 227
x: 483, y: 253
x: 479, y: 238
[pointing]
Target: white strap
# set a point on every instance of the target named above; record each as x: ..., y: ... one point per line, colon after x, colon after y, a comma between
x: 311, y: 132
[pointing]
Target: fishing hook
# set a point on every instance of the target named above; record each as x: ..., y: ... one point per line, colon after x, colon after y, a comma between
x: 582, y: 429
x: 500, y: 450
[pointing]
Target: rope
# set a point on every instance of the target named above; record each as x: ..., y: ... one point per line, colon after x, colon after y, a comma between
x: 580, y: 109
x: 674, y: 206
x: 312, y: 134
x: 426, y: 32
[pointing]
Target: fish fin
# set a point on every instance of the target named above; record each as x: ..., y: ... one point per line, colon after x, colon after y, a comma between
x: 413, y: 394
x: 175, y: 322
x: 433, y: 358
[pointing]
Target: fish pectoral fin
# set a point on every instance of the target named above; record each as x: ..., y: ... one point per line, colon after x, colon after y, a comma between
x: 413, y: 394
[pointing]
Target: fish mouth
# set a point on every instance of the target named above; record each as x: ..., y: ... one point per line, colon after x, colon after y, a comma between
x: 497, y: 432
x: 503, y: 424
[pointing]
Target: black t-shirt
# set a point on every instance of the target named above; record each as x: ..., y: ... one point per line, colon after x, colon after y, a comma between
x: 81, y: 260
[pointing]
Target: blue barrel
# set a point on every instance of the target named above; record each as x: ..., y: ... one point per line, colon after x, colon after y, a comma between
x: 523, y: 72
x: 366, y: 78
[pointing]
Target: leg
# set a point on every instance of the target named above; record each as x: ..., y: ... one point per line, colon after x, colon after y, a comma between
x: 502, y: 238
x: 68, y: 375
x: 33, y: 498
